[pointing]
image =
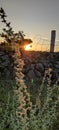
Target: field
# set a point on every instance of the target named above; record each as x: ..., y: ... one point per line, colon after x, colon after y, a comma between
x: 31, y: 102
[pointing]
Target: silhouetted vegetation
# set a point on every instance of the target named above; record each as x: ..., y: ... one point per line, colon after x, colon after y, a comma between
x: 8, y: 32
x: 17, y: 110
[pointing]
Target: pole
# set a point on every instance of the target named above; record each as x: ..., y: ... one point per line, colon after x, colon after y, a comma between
x: 53, y: 36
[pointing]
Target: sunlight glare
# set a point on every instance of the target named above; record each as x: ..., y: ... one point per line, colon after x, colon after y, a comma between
x: 27, y: 47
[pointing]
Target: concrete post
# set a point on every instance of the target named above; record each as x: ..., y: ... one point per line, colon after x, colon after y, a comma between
x: 53, y: 36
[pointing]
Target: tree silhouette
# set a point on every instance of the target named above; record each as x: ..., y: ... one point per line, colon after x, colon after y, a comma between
x: 9, y: 36
x: 8, y: 33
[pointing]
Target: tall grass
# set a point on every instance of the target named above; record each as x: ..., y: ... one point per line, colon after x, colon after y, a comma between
x: 15, y: 112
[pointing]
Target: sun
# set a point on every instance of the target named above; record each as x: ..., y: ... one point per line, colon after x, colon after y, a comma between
x: 28, y: 47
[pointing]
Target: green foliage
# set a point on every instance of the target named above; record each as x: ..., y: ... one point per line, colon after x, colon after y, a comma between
x: 44, y: 116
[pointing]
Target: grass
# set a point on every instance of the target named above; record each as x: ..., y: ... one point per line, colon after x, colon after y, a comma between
x: 43, y: 116
x: 6, y: 102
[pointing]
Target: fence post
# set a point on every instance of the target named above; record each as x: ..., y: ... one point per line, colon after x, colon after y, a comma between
x: 52, y: 44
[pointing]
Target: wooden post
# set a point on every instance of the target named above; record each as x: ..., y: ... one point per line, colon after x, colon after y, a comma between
x: 53, y: 36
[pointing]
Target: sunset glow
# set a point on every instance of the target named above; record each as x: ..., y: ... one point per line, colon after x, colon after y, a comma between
x: 28, y: 47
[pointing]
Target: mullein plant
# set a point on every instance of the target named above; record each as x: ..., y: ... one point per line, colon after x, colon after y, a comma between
x: 24, y: 104
x: 20, y: 114
x: 48, y: 102
x: 12, y: 118
x: 45, y: 115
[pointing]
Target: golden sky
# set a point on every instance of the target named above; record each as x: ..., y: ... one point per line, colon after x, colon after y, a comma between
x: 34, y: 17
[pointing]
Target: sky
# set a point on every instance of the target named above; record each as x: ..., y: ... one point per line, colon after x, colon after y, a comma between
x: 34, y: 17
